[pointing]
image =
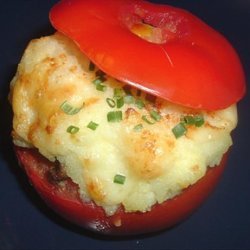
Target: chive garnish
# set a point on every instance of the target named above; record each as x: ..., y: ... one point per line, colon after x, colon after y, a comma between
x: 98, y: 83
x: 118, y: 92
x: 110, y: 102
x: 69, y: 109
x: 72, y: 129
x: 129, y: 99
x: 119, y: 179
x: 92, y: 125
x: 138, y: 127
x: 179, y: 130
x: 155, y: 115
x: 188, y: 119
x: 101, y: 87
x: 114, y: 116
x: 144, y: 118
x: 139, y: 104
x: 119, y: 102
x: 199, y: 120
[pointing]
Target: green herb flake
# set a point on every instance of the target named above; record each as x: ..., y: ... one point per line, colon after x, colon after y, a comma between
x: 120, y: 102
x: 179, y: 130
x: 199, y: 120
x: 138, y: 127
x: 118, y: 93
x: 72, y: 129
x: 139, y: 104
x: 119, y: 179
x: 92, y: 125
x: 188, y: 120
x: 69, y: 109
x: 114, y: 116
x: 110, y: 102
x: 101, y: 87
x: 129, y: 99
x: 144, y: 118
x: 155, y: 115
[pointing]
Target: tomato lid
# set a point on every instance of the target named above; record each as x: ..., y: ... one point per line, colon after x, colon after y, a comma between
x: 160, y: 49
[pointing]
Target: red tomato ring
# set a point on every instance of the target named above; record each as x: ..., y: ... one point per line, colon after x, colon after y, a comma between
x: 90, y: 216
x: 191, y: 64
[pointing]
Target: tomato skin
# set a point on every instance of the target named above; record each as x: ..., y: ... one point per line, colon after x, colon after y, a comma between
x: 194, y: 67
x: 93, y: 217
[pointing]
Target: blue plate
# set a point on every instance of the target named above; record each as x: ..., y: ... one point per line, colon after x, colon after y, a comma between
x: 222, y: 222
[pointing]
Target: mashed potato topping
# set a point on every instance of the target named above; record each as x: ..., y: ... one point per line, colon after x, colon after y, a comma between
x: 155, y: 165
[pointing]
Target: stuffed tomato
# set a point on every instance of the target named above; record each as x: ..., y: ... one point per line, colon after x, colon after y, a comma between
x: 122, y: 118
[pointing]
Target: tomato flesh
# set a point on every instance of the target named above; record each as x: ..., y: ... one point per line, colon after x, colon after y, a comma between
x: 186, y: 62
x: 66, y: 201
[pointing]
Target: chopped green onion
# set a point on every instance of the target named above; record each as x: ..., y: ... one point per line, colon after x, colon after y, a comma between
x: 188, y: 119
x: 120, y: 102
x: 155, y: 115
x: 138, y: 127
x: 92, y: 125
x: 144, y: 118
x: 179, y: 130
x: 114, y: 116
x: 72, y: 129
x: 139, y: 104
x: 68, y: 109
x: 129, y: 99
x: 119, y: 179
x: 199, y: 120
x: 118, y: 92
x: 91, y: 66
x: 110, y: 102
x: 101, y: 87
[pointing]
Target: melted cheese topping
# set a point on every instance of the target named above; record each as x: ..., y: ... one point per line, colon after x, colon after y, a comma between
x: 157, y: 166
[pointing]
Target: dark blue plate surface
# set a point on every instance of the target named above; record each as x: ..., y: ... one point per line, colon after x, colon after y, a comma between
x: 223, y: 222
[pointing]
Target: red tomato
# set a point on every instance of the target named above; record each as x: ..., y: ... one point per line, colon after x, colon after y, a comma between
x: 186, y: 61
x: 64, y: 199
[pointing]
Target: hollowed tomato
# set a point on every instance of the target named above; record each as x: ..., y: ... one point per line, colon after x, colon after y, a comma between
x: 61, y: 194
